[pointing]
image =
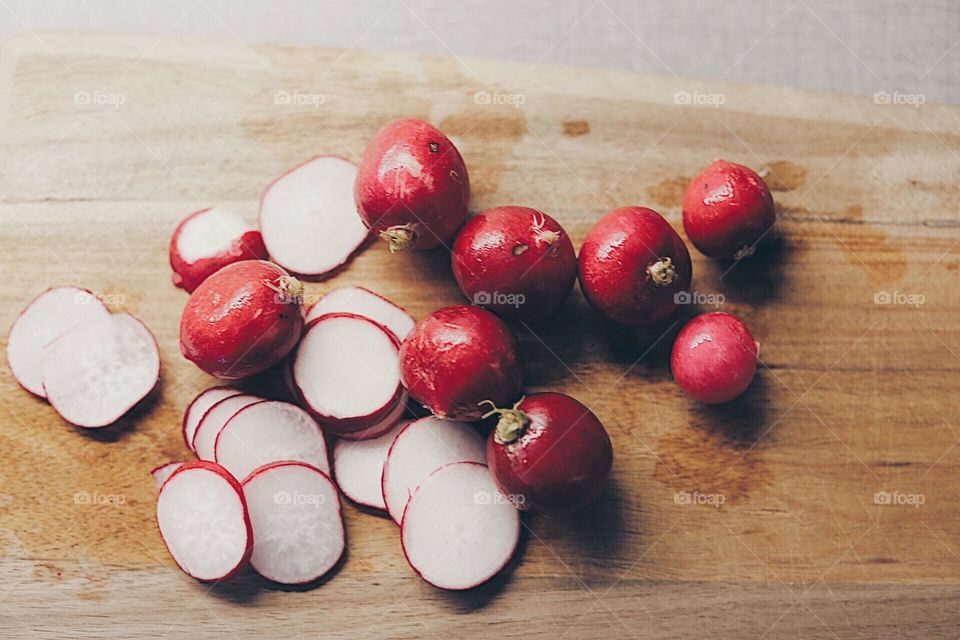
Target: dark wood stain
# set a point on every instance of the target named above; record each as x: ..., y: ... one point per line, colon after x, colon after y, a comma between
x: 576, y: 128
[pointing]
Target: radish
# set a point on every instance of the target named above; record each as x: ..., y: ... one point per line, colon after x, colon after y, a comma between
x: 366, y: 303
x: 51, y: 314
x: 358, y: 466
x: 714, y: 358
x: 205, y: 436
x: 208, y: 240
x: 203, y: 519
x: 381, y: 427
x: 243, y: 319
x: 515, y: 261
x: 297, y: 522
x: 727, y: 210
x: 458, y: 531
x: 423, y: 446
x: 199, y: 406
x: 99, y: 370
x: 309, y: 219
x: 266, y: 432
x: 549, y: 453
x: 457, y: 357
x: 633, y: 265
x: 412, y: 187
x: 164, y: 471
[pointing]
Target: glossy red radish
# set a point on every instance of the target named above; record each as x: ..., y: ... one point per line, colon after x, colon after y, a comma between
x: 727, y: 211
x: 51, y: 314
x: 205, y: 436
x: 457, y: 357
x: 366, y: 303
x: 385, y: 424
x: 714, y: 358
x: 164, y: 471
x: 549, y: 453
x: 203, y: 519
x: 309, y: 219
x: 199, y: 406
x: 208, y: 240
x: 412, y: 187
x: 458, y: 531
x: 297, y: 522
x: 423, y: 446
x: 633, y: 265
x: 99, y: 370
x: 515, y: 261
x: 358, y: 466
x: 242, y: 320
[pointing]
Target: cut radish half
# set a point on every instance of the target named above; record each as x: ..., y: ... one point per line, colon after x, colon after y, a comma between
x: 207, y: 241
x: 202, y: 515
x: 422, y: 447
x: 99, y: 370
x: 309, y: 219
x: 297, y: 522
x: 358, y: 467
x: 267, y: 432
x: 53, y: 313
x: 458, y: 530
x: 366, y: 303
x: 205, y: 437
x: 199, y: 406
x: 164, y: 471
x: 386, y: 424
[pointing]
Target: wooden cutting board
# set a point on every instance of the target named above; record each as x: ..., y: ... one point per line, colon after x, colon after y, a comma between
x: 764, y: 516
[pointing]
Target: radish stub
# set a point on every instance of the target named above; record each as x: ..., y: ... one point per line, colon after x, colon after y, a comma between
x: 366, y: 303
x: 358, y: 467
x: 210, y: 233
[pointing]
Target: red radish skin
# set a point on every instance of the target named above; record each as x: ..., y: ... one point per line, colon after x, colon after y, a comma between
x: 457, y: 357
x: 727, y: 211
x: 714, y: 358
x: 632, y: 266
x: 163, y: 472
x: 358, y: 467
x: 549, y: 453
x: 208, y: 240
x: 243, y: 319
x: 199, y: 406
x: 380, y: 428
x: 205, y: 437
x: 515, y: 261
x: 364, y: 302
x: 412, y: 187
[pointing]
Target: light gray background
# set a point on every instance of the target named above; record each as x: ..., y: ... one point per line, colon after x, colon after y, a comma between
x: 859, y: 46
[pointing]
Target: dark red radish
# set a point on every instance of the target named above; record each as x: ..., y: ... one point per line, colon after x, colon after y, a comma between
x: 164, y: 471
x: 714, y: 358
x: 242, y: 320
x: 51, y: 314
x: 727, y: 211
x: 423, y: 446
x: 549, y: 453
x: 203, y: 519
x: 412, y: 187
x: 633, y: 265
x: 309, y: 219
x: 381, y: 427
x: 205, y: 436
x: 266, y: 432
x: 366, y: 303
x: 515, y: 261
x: 458, y: 531
x: 99, y: 370
x: 199, y: 406
x: 208, y: 240
x: 358, y: 466
x: 297, y: 522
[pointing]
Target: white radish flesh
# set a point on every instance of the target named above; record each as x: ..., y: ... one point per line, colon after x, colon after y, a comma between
x: 358, y: 467
x: 205, y: 437
x: 209, y: 233
x: 199, y: 406
x: 366, y: 303
x: 164, y: 471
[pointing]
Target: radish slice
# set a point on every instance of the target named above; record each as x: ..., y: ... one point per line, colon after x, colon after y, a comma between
x: 309, y: 219
x: 386, y: 424
x: 202, y: 515
x: 164, y: 471
x: 458, y: 530
x: 199, y: 406
x: 358, y: 467
x: 297, y: 522
x: 207, y: 241
x: 205, y: 437
x: 267, y: 432
x: 366, y: 303
x: 96, y: 372
x: 51, y: 314
x: 422, y: 447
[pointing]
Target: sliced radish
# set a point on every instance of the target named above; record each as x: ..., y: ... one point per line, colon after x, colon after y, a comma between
x: 297, y: 522
x: 164, y: 471
x: 422, y: 447
x: 205, y: 437
x: 309, y: 219
x: 199, y: 406
x: 458, y: 531
x: 366, y: 303
x: 380, y: 428
x: 99, y: 370
x: 267, y: 432
x: 207, y: 241
x: 202, y: 515
x: 358, y: 467
x: 51, y: 314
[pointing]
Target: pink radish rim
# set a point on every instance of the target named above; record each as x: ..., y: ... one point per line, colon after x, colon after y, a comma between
x: 186, y: 412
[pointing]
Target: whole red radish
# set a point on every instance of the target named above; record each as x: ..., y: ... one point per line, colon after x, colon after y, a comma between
x: 633, y: 265
x: 727, y: 210
x: 241, y: 320
x: 550, y: 453
x: 412, y: 187
x: 714, y: 358
x: 515, y: 261
x: 457, y: 357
